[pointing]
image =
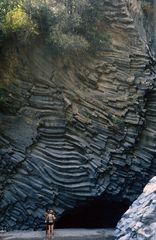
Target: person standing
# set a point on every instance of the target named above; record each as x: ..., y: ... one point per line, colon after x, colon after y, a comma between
x: 50, y: 219
x: 45, y: 215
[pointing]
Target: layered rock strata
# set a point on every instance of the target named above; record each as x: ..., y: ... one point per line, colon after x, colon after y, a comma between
x: 86, y: 125
x: 139, y: 221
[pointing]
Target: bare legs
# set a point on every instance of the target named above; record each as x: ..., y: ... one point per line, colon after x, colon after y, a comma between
x: 50, y: 229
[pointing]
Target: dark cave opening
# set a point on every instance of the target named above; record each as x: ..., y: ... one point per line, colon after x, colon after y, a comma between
x: 96, y: 213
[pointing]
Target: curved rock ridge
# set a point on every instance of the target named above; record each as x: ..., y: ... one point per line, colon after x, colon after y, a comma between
x: 139, y: 221
x: 86, y: 125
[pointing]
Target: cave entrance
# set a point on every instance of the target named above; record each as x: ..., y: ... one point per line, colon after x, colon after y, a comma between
x: 96, y: 213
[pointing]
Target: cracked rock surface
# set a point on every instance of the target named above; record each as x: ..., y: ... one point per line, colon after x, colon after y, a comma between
x: 139, y: 221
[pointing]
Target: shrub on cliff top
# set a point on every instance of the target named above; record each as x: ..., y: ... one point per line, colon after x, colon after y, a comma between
x: 14, y: 20
x: 76, y: 26
x: 67, y: 42
x: 17, y: 21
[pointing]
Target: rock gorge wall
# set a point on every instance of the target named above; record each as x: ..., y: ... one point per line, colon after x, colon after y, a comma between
x: 85, y: 126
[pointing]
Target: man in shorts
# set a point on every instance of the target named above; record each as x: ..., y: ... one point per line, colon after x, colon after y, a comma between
x: 49, y: 219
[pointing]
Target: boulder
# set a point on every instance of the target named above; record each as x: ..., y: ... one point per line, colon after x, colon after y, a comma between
x: 139, y: 222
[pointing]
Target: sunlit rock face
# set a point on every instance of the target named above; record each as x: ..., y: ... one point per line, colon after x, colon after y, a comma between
x: 139, y: 221
x: 85, y: 126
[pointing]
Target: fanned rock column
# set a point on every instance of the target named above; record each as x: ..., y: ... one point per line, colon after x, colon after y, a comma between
x: 86, y: 125
x: 139, y: 222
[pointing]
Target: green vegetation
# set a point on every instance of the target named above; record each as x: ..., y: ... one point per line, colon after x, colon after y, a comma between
x: 17, y: 21
x: 65, y: 25
x: 5, y: 7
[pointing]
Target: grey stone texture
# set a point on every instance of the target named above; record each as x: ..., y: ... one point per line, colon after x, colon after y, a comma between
x: 139, y: 222
x: 86, y: 124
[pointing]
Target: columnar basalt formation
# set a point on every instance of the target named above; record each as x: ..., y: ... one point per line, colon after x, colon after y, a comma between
x: 139, y: 221
x: 85, y: 126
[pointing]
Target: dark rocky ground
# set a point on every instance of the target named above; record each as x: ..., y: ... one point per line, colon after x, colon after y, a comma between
x: 61, y: 234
